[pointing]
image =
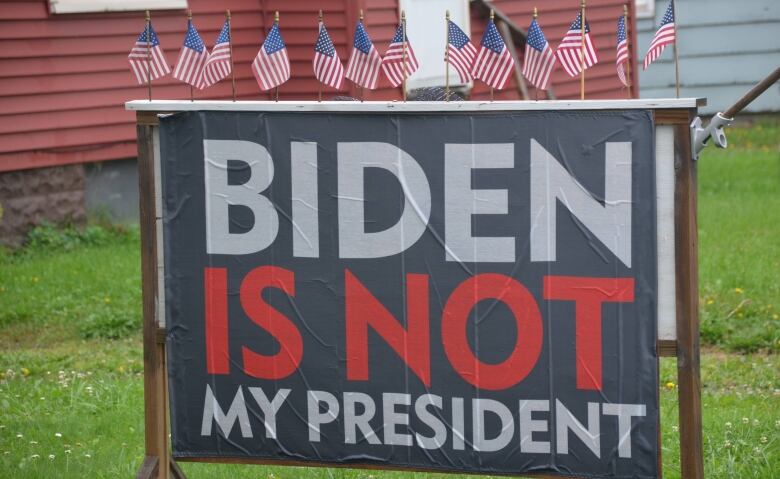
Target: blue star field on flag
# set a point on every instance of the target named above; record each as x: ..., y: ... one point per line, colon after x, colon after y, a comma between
x: 273, y: 43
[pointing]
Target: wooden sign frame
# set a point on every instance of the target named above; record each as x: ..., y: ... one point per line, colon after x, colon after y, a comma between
x: 678, y: 321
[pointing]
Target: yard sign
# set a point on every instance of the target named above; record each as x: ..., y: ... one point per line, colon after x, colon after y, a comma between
x: 464, y: 291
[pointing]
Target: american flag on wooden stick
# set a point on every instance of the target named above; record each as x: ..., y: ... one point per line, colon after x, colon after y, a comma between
x: 364, y: 63
x: 664, y: 36
x: 397, y: 63
x: 327, y: 65
x: 569, y: 52
x: 193, y: 54
x: 622, y: 51
x: 147, y: 44
x: 460, y: 51
x: 494, y: 63
x: 539, y: 57
x: 271, y: 66
x: 218, y: 64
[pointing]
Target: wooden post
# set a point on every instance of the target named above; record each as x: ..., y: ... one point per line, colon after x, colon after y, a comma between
x: 628, y: 50
x: 519, y: 78
x: 156, y: 463
x: 447, y: 56
x: 149, y: 53
x: 688, y: 372
x: 582, y: 50
x: 230, y: 46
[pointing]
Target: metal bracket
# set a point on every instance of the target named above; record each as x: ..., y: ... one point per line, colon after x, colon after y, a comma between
x: 700, y: 135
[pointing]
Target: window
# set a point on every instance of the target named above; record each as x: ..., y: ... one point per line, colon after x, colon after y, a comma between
x: 645, y: 8
x: 426, y: 29
x: 92, y: 6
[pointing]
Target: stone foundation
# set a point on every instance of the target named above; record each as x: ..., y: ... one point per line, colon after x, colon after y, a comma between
x: 30, y: 197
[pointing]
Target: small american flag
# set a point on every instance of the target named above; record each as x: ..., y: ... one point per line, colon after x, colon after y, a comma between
x: 364, y: 63
x: 396, y: 64
x: 139, y: 57
x: 622, y: 51
x: 569, y: 52
x: 460, y: 52
x: 327, y: 65
x: 539, y: 57
x: 664, y: 36
x: 494, y: 63
x: 218, y: 65
x: 271, y: 66
x: 193, y: 54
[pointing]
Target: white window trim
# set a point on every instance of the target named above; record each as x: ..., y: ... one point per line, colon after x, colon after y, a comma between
x: 93, y: 6
x: 644, y: 8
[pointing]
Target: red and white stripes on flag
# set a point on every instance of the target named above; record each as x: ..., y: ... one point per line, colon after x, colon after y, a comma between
x: 146, y: 58
x: 460, y: 51
x: 271, y: 66
x: 399, y: 61
x: 365, y: 61
x: 621, y: 58
x: 192, y: 57
x: 494, y: 63
x: 570, y: 52
x: 218, y: 65
x: 539, y: 57
x: 664, y: 36
x: 327, y: 65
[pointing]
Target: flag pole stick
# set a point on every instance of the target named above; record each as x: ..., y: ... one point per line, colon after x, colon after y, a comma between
x: 319, y: 83
x: 492, y: 17
x: 230, y: 47
x: 361, y: 86
x: 403, y: 54
x: 582, y: 51
x: 276, y: 22
x: 447, y: 57
x: 149, y: 53
x: 628, y: 48
x: 676, y: 57
x: 189, y: 20
x: 536, y: 89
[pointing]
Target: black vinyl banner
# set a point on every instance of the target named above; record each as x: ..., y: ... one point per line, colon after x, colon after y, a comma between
x: 439, y: 291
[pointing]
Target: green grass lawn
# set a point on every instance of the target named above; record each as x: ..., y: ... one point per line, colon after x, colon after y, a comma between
x: 71, y: 392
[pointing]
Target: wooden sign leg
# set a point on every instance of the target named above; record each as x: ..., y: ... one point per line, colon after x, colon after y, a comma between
x: 688, y: 372
x: 156, y: 464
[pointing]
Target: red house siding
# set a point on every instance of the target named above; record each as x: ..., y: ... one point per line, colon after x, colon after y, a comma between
x: 64, y: 78
x: 555, y: 18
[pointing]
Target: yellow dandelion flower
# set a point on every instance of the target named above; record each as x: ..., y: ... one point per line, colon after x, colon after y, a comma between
x: 670, y: 385
x: 710, y: 301
x: 106, y: 300
x: 738, y: 290
x: 25, y: 372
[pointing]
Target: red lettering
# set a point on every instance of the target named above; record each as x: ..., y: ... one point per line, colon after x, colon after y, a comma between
x: 588, y: 295
x: 217, y: 354
x: 283, y: 363
x: 411, y: 344
x: 529, y: 331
